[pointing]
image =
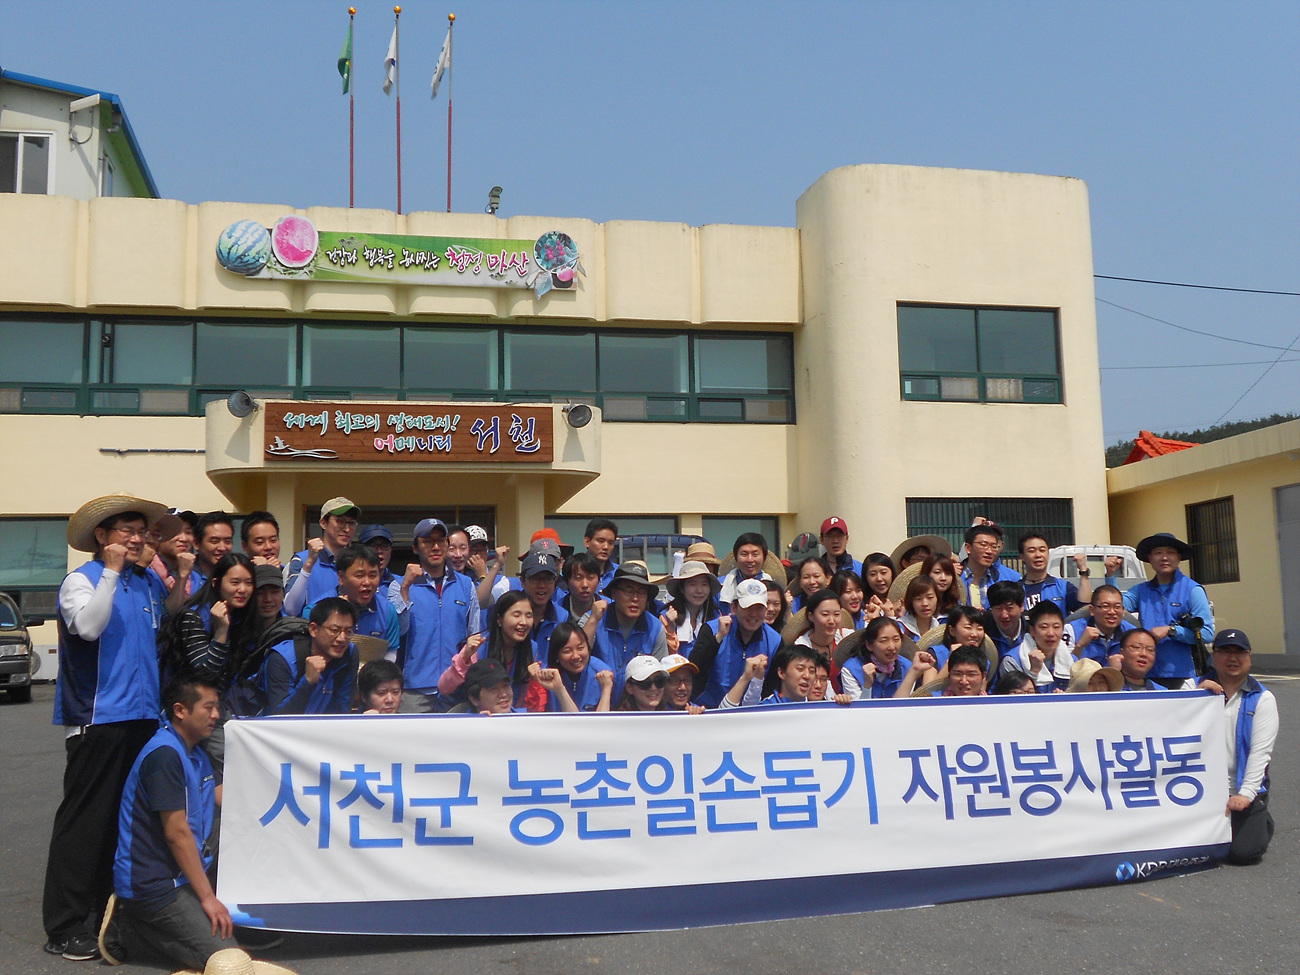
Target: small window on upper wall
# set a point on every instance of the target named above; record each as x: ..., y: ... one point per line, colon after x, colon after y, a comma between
x: 241, y: 356
x: 26, y: 164
x: 979, y: 355
x: 550, y: 362
x: 1212, y: 534
x: 41, y: 352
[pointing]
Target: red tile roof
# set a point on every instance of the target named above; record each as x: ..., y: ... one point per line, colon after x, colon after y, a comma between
x: 1148, y: 444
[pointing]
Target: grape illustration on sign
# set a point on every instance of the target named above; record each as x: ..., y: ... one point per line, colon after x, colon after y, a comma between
x: 295, y: 250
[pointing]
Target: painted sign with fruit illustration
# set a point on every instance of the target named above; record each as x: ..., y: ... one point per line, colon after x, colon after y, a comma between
x: 295, y: 250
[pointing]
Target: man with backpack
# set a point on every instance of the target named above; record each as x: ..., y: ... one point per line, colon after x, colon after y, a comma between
x: 314, y: 675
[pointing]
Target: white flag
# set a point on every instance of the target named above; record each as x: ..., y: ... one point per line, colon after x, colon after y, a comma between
x: 390, y: 63
x: 444, y: 62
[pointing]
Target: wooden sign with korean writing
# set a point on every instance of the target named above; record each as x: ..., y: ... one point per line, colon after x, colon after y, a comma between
x: 410, y: 432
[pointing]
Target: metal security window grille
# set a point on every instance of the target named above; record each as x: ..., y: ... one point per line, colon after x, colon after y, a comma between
x: 979, y: 355
x: 1212, y: 533
x: 950, y: 517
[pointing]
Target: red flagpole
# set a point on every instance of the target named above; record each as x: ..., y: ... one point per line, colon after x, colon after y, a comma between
x: 397, y: 83
x: 451, y: 22
x: 352, y: 120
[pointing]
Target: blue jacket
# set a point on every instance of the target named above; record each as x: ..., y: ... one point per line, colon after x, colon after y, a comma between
x: 1065, y: 594
x: 998, y: 572
x: 114, y: 677
x: 323, y: 580
x: 876, y: 689
x: 378, y: 619
x: 730, y: 661
x: 555, y: 615
x: 287, y: 691
x: 1006, y: 645
x: 585, y: 691
x: 437, y: 626
x: 1158, y: 605
x: 144, y: 867
x: 615, y: 650
x: 1101, y: 648
x: 1251, y: 692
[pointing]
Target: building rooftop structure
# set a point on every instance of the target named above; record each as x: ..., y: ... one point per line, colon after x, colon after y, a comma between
x: 1147, y: 444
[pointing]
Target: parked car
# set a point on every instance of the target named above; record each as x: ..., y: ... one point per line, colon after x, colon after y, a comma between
x: 1061, y: 564
x: 16, y: 656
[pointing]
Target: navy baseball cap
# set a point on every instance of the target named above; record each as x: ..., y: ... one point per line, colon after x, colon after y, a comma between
x: 371, y: 532
x: 538, y: 562
x: 1231, y: 638
x: 428, y: 526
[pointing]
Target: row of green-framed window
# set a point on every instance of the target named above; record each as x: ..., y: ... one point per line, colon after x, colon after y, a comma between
x: 982, y: 355
x: 177, y: 366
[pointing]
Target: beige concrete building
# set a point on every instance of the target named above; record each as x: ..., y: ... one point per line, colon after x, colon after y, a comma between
x: 1237, y: 501
x: 886, y: 360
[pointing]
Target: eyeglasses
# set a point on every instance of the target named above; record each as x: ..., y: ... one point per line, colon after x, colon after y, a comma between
x: 658, y: 680
x: 342, y: 522
x: 336, y: 631
x: 143, y: 533
x: 1110, y: 606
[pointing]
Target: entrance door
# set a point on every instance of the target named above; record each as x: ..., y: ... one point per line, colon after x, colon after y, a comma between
x: 1288, y: 542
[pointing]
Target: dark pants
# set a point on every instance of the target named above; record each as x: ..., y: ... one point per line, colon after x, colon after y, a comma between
x: 1252, y: 829
x: 79, y: 872
x: 180, y: 932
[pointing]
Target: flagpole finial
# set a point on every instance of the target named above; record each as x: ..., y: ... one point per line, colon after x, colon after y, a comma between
x: 397, y: 11
x: 452, y: 18
x: 352, y: 11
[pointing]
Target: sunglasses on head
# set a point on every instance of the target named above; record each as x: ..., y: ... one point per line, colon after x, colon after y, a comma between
x: 658, y: 680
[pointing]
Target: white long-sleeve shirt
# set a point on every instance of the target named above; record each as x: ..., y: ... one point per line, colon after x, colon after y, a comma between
x: 87, y: 608
x: 1262, y: 736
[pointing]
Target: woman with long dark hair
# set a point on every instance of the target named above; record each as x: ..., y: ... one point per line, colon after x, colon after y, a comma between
x: 216, y: 629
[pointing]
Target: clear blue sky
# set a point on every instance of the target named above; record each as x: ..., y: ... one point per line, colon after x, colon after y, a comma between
x: 1183, y: 119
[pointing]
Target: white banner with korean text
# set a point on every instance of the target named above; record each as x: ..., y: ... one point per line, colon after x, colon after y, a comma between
x: 554, y: 823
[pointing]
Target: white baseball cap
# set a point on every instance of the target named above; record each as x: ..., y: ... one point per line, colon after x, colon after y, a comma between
x: 751, y: 592
x: 643, y: 667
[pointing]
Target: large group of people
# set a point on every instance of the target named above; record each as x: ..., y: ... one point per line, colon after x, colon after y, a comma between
x: 169, y: 631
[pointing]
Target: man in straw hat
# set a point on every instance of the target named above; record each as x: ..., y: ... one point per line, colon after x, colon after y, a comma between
x: 164, y: 901
x: 1169, y: 606
x: 107, y: 700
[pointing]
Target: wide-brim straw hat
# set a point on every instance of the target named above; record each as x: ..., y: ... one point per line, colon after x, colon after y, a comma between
x: 798, y: 624
x: 936, y: 636
x: 1081, y: 672
x: 84, y: 521
x: 703, y: 552
x: 370, y: 647
x: 692, y: 570
x: 898, y: 588
x: 772, y: 565
x: 236, y: 961
x: 847, y: 647
x: 937, y: 544
x: 927, y: 690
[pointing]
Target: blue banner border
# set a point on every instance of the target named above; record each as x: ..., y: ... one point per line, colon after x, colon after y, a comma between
x: 705, y: 905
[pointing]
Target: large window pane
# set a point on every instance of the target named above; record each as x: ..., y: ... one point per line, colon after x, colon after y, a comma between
x: 560, y: 362
x: 33, y: 551
x: 161, y: 354
x: 246, y: 355
x: 36, y: 164
x: 8, y: 162
x: 643, y: 364
x: 936, y: 339
x: 40, y: 352
x: 1017, y: 341
x: 450, y: 358
x: 755, y: 365
x: 723, y: 532
x: 366, y: 356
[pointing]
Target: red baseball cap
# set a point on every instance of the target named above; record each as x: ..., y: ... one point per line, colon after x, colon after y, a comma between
x: 834, y: 523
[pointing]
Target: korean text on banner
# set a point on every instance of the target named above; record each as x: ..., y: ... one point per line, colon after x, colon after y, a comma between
x: 554, y: 823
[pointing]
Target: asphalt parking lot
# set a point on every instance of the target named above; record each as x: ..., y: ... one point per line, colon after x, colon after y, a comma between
x: 1227, y: 920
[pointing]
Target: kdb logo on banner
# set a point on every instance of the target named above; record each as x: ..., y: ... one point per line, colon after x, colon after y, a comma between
x: 555, y: 823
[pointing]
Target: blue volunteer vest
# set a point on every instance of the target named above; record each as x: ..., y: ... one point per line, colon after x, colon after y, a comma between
x: 1158, y: 607
x: 1050, y: 590
x: 114, y: 677
x: 615, y: 651
x: 333, y: 691
x: 1251, y: 692
x: 143, y: 865
x: 730, y: 661
x: 585, y: 691
x: 324, y: 578
x: 437, y: 629
x: 555, y: 615
x: 872, y: 689
x: 1101, y: 648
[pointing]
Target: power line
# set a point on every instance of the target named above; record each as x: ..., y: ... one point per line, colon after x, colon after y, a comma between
x: 1257, y: 381
x: 1204, y: 287
x: 1194, y: 331
x: 1204, y: 365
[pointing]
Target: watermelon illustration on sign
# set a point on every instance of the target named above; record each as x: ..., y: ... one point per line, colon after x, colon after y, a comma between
x: 294, y: 241
x: 244, y: 247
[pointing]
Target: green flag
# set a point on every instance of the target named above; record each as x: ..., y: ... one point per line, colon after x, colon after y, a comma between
x: 345, y: 62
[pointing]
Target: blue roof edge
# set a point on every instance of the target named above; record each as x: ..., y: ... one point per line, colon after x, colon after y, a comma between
x: 114, y: 100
